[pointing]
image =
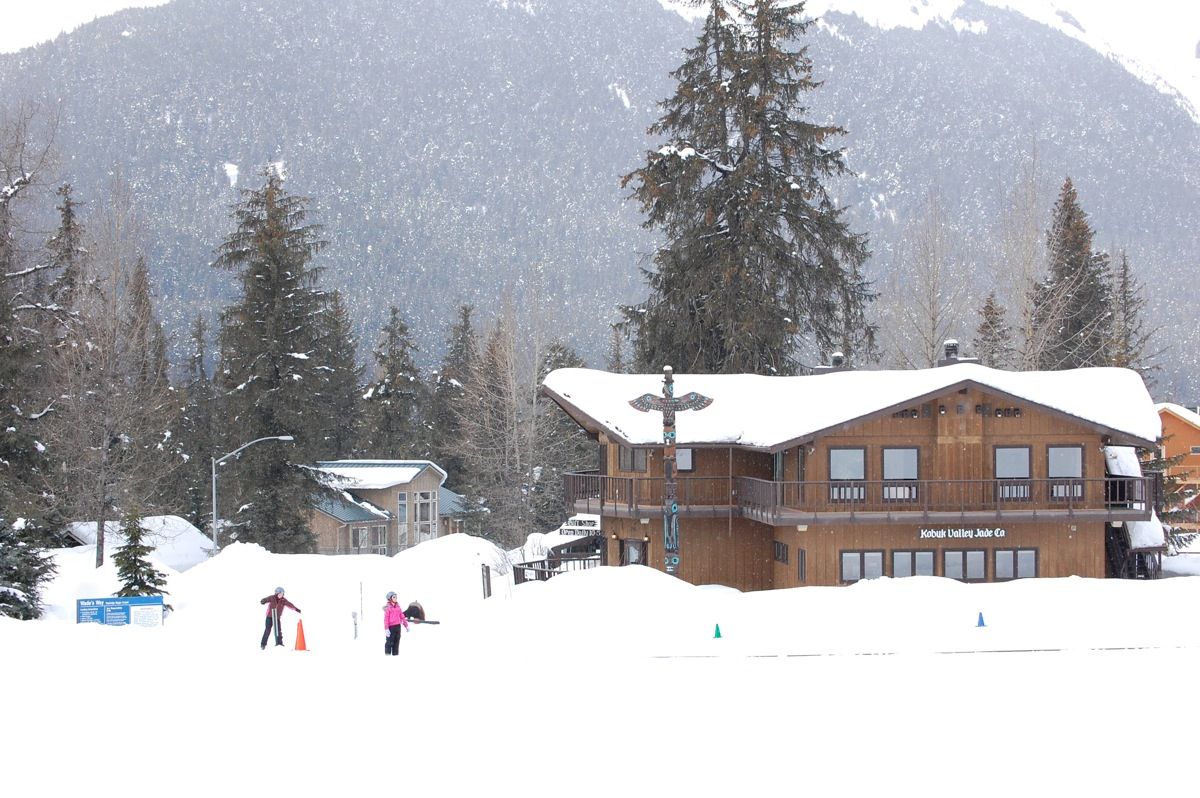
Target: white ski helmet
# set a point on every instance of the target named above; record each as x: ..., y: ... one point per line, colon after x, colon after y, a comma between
x: 278, y: 591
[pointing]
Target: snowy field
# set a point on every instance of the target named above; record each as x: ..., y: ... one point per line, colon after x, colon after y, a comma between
x: 601, y: 683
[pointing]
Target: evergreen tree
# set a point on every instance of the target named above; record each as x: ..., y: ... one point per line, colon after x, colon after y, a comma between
x: 138, y: 576
x: 615, y: 361
x: 268, y: 376
x: 397, y: 398
x: 758, y: 260
x: 1071, y: 306
x: 449, y: 397
x: 24, y: 567
x: 993, y: 336
x: 342, y: 392
x: 145, y: 330
x: 1130, y: 344
x: 67, y: 251
x: 560, y: 446
x: 196, y: 434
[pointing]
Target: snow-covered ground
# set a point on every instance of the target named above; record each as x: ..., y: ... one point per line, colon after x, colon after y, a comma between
x: 600, y: 682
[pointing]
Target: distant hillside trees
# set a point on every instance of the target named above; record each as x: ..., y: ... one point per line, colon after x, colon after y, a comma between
x: 758, y: 264
x: 272, y: 371
x: 337, y: 347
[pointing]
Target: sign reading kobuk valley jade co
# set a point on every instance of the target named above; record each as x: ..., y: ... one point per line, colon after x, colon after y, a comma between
x: 961, y: 533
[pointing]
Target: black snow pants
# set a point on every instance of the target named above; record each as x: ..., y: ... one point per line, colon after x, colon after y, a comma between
x: 392, y: 645
x: 272, y: 620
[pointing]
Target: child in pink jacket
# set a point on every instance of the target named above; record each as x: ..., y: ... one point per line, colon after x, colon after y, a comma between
x: 393, y: 621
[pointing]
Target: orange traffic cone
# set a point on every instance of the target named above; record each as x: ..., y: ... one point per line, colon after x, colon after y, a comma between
x: 300, y: 636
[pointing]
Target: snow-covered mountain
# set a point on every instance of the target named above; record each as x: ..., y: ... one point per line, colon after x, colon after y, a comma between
x: 461, y: 152
x: 1157, y: 40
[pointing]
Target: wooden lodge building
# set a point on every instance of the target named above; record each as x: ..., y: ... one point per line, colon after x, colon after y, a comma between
x: 959, y: 471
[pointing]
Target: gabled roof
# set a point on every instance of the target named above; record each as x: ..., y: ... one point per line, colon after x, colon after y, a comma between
x: 772, y: 412
x: 373, y: 474
x: 1180, y: 412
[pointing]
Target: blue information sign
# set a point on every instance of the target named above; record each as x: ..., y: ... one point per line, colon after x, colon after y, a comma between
x: 135, y: 610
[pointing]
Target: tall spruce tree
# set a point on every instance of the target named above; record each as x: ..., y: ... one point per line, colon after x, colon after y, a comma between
x: 342, y: 392
x: 993, y: 336
x: 138, y: 576
x: 446, y: 408
x: 268, y: 377
x: 196, y: 432
x: 1130, y: 338
x: 397, y: 397
x: 758, y: 264
x: 1071, y: 306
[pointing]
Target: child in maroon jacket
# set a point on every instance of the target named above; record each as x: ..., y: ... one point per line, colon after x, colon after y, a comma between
x: 275, y: 604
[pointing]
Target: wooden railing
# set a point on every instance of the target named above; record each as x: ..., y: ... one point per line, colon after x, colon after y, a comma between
x: 541, y: 570
x: 1114, y: 498
x: 634, y: 496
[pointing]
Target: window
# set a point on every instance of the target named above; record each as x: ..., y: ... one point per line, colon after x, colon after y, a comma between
x: 781, y: 552
x: 426, y: 515
x: 777, y: 467
x: 847, y: 466
x: 1015, y: 563
x: 912, y: 563
x: 968, y: 566
x: 631, y: 459
x: 402, y: 520
x: 1196, y: 450
x: 899, y: 469
x: 801, y: 566
x: 1064, y: 466
x: 858, y: 565
x: 683, y: 459
x: 358, y: 536
x: 1012, y: 473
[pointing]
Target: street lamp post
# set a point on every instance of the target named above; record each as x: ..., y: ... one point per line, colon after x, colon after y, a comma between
x: 216, y: 462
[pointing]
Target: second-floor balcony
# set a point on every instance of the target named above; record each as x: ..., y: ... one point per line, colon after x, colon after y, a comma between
x: 865, y: 501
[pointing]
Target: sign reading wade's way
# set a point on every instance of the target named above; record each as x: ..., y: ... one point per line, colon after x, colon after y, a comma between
x: 121, y: 611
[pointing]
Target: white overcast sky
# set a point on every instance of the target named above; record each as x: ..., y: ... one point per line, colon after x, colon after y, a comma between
x: 30, y: 22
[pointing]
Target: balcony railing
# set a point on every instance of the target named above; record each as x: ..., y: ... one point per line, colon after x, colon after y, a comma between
x: 1107, y: 498
x: 643, y: 496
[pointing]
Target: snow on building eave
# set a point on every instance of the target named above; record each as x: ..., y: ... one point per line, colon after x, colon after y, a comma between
x: 1180, y: 412
x: 769, y: 413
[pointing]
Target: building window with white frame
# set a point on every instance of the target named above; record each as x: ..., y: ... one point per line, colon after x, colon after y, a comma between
x: 379, y: 539
x: 426, y: 515
x: 402, y: 520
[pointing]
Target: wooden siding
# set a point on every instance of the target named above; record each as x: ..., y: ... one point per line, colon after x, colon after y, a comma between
x: 956, y: 435
x: 1179, y: 437
x: 712, y: 551
x: 325, y: 530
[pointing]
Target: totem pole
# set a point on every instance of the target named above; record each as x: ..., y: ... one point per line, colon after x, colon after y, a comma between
x: 667, y: 404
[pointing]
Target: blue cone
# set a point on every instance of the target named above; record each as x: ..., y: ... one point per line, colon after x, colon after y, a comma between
x: 980, y: 623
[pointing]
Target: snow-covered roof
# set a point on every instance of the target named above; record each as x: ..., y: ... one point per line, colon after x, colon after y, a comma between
x: 768, y: 412
x: 374, y: 474
x: 176, y: 542
x: 1146, y: 534
x: 348, y: 508
x: 1122, y: 461
x: 1181, y: 412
